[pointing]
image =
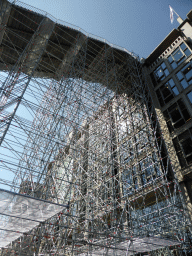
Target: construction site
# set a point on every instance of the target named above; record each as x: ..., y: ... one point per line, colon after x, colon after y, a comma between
x: 85, y: 167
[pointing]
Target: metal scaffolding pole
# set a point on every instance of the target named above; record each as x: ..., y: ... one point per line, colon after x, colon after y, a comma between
x: 79, y: 129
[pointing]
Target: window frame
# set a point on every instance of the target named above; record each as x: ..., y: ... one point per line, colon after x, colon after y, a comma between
x: 181, y: 75
x: 154, y: 75
x: 161, y: 97
x: 175, y: 63
x: 181, y: 107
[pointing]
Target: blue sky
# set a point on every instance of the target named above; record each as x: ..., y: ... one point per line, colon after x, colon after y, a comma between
x: 137, y: 25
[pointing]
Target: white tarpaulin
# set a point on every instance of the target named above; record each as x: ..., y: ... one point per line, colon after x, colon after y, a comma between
x: 134, y: 246
x: 19, y: 214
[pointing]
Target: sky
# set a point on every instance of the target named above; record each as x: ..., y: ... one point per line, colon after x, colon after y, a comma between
x: 137, y: 25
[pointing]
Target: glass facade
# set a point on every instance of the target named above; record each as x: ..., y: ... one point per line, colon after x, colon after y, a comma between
x: 159, y: 74
x: 179, y: 55
x: 185, y: 75
x: 177, y: 113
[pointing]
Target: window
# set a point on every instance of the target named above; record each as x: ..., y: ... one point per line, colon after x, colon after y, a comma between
x: 130, y: 181
x: 176, y: 115
x: 185, y: 75
x: 141, y: 141
x: 124, y: 128
x: 189, y: 95
x: 159, y: 74
x: 127, y: 182
x: 149, y: 169
x: 179, y: 55
x: 126, y: 151
x: 167, y: 92
x: 138, y: 118
x: 183, y: 147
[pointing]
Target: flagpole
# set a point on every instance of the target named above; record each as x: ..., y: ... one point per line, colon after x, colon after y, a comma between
x: 175, y: 12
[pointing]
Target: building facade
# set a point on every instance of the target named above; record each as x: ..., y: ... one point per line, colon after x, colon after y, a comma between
x: 168, y: 72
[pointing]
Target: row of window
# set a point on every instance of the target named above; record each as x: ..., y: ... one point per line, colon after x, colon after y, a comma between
x: 177, y: 114
x: 179, y: 55
x: 185, y: 75
x: 169, y: 90
x: 175, y: 59
x: 159, y: 74
x: 140, y: 143
x: 147, y: 170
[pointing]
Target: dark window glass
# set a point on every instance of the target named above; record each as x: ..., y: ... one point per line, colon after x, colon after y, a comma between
x: 179, y: 153
x: 170, y: 126
x: 181, y: 159
x: 166, y: 92
x: 175, y: 115
x: 166, y: 115
x: 169, y: 98
x: 181, y: 104
x: 172, y: 107
x: 189, y: 159
x: 185, y: 112
x: 176, y: 144
x: 183, y: 147
x: 187, y: 146
x: 160, y: 98
x: 184, y: 135
x: 153, y: 79
x: 179, y: 124
x: 186, y: 115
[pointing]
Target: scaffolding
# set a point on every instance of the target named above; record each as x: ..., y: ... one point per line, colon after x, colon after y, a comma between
x: 84, y: 167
